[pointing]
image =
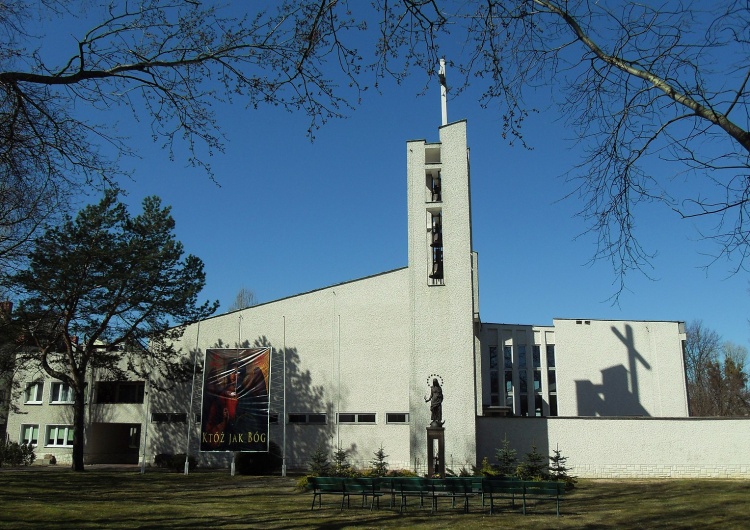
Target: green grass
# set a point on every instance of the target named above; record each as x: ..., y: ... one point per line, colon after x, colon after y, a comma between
x: 46, y: 497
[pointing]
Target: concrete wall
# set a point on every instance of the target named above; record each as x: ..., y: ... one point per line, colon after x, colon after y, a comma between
x: 629, y: 447
x: 442, y: 315
x: 346, y: 350
x: 620, y: 368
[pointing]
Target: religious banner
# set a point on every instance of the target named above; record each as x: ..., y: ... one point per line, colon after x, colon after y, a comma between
x: 235, y: 400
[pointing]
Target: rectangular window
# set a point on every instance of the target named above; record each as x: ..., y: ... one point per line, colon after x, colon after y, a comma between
x: 134, y: 437
x: 120, y: 391
x: 30, y: 434
x: 308, y: 418
x: 61, y: 393
x: 34, y: 392
x: 357, y: 417
x: 168, y: 417
x: 494, y: 377
x: 552, y: 379
x: 60, y: 435
x: 397, y: 417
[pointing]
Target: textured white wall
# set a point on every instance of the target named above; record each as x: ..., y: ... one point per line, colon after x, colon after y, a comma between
x: 629, y: 447
x: 346, y: 350
x: 442, y: 315
x: 620, y: 368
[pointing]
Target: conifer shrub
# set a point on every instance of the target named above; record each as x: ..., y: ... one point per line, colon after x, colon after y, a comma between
x: 379, y: 464
x: 259, y: 463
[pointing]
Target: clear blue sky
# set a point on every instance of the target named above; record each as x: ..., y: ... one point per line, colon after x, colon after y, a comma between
x: 290, y: 215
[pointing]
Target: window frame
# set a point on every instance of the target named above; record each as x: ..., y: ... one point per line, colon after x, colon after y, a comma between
x: 358, y: 418
x: 68, y: 438
x: 39, y: 394
x: 31, y: 442
x: 390, y: 421
x: 307, y: 418
x: 61, y: 385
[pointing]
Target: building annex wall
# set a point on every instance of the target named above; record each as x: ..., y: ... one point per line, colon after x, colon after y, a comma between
x: 346, y: 350
x: 628, y: 447
x: 620, y: 368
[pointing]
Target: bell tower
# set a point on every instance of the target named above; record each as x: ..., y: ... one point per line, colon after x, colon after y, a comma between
x: 443, y: 290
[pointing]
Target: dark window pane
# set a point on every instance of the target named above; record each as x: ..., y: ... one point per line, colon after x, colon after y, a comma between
x: 537, y: 356
x: 508, y: 357
x: 550, y: 355
x: 553, y: 405
x: 552, y: 380
x: 494, y: 383
x: 538, y: 405
x: 366, y: 418
x: 537, y: 381
x: 316, y: 418
x: 521, y: 349
x: 493, y: 357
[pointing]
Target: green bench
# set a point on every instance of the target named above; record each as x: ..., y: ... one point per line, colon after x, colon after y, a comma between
x: 462, y: 488
x: 543, y: 491
x: 346, y: 487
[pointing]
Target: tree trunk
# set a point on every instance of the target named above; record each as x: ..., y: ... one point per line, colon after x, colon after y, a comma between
x: 79, y: 416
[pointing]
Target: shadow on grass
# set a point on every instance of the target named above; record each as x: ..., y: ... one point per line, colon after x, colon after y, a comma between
x: 42, y: 498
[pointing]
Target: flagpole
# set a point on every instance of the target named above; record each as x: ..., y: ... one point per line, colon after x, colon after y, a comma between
x: 283, y: 419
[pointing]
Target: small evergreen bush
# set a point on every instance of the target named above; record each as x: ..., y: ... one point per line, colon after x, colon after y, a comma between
x: 507, y: 463
x: 319, y: 465
x: 14, y: 454
x: 534, y: 467
x: 558, y: 471
x: 177, y: 462
x: 261, y: 463
x: 379, y: 464
x: 163, y: 460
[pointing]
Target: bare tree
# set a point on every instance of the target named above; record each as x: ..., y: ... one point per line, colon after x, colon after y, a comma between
x: 656, y: 93
x: 245, y: 298
x: 166, y: 61
x: 717, y: 379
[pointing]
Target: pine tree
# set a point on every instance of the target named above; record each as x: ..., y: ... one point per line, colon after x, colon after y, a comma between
x: 535, y: 465
x: 506, y: 459
x: 341, y: 466
x: 558, y: 470
x: 379, y: 464
x: 319, y: 464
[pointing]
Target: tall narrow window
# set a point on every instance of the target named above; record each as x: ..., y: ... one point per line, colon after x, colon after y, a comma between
x: 436, y: 245
x: 551, y: 379
x: 435, y: 187
x: 536, y: 364
x: 508, y: 369
x: 494, y: 377
x: 523, y: 380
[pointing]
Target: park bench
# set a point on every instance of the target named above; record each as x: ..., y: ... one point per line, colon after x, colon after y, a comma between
x: 492, y: 489
x: 346, y: 487
x: 501, y: 488
x: 457, y: 488
x: 405, y: 487
x: 543, y: 491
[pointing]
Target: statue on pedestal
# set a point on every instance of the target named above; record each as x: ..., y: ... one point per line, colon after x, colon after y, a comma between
x: 436, y: 404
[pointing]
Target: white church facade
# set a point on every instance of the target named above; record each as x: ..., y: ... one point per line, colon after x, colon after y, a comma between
x: 352, y: 365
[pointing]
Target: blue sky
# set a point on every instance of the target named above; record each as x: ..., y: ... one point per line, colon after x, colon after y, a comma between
x: 289, y: 215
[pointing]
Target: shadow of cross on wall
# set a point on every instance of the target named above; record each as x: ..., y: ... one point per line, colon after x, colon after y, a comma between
x: 618, y: 395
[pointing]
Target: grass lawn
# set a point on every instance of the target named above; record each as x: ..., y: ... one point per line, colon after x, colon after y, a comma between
x: 47, y: 497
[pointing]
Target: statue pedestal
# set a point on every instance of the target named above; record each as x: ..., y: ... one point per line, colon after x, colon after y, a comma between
x: 436, y: 451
